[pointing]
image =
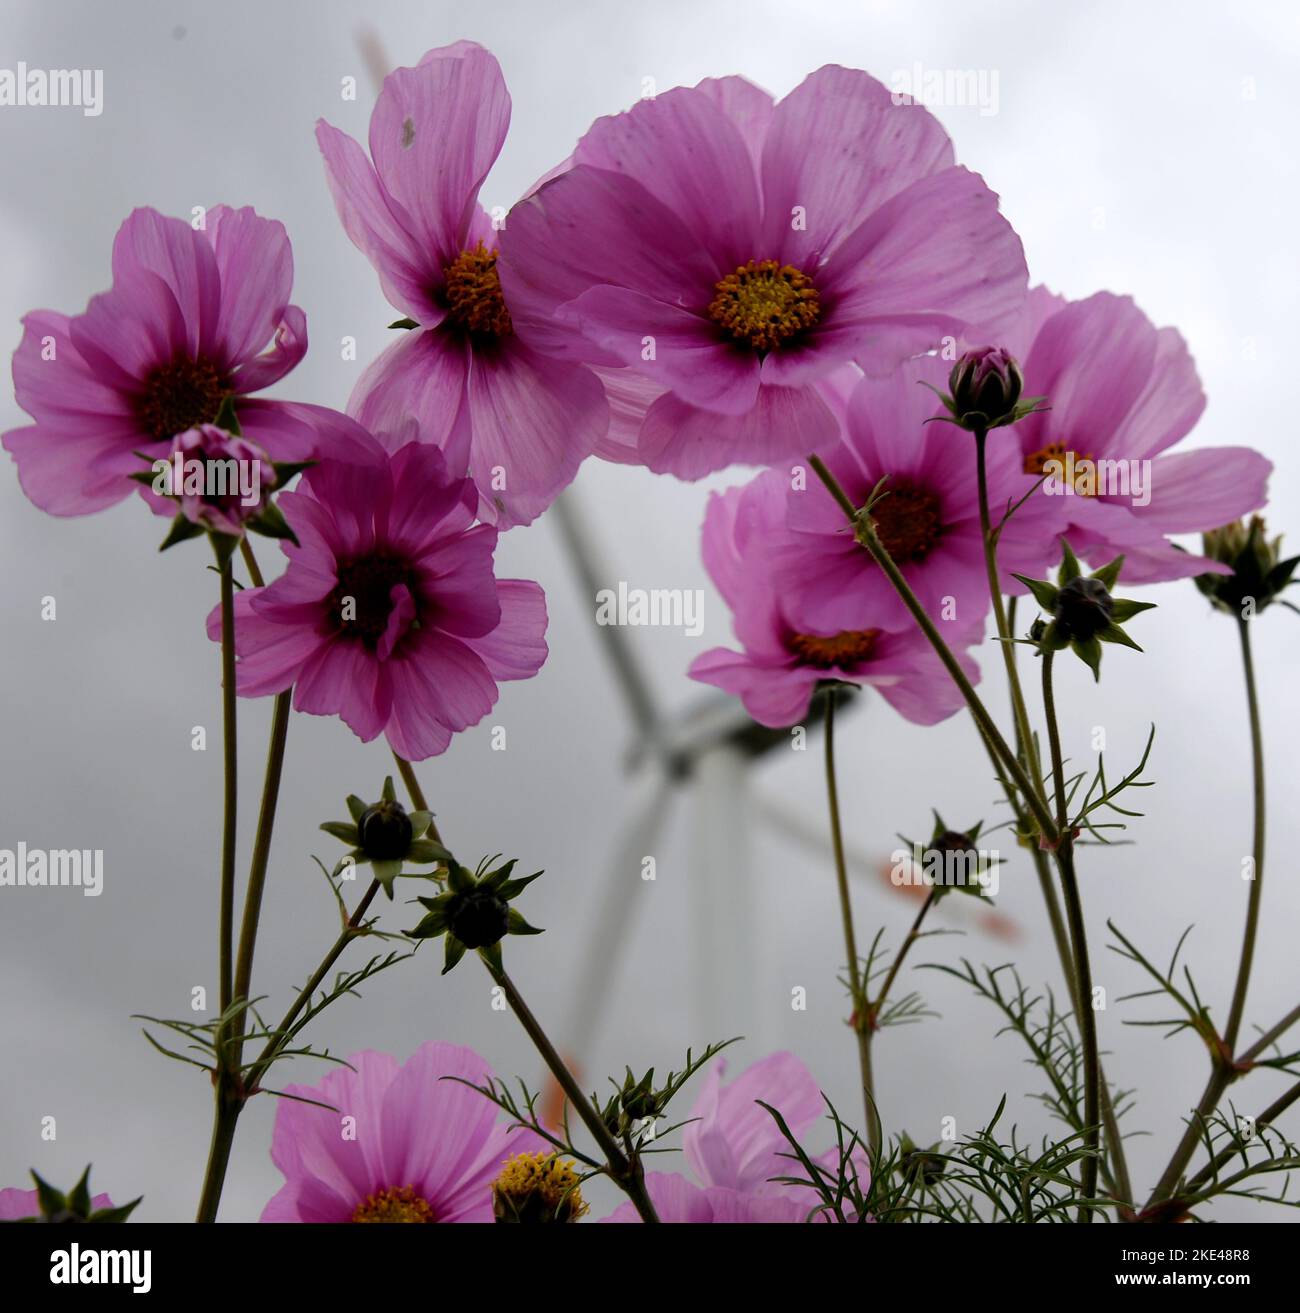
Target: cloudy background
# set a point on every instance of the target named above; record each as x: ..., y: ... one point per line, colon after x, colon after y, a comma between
x: 1142, y: 148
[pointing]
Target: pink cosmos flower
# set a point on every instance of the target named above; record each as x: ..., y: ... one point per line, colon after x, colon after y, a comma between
x: 17, y: 1204
x: 389, y: 614
x: 929, y: 522
x: 736, y: 1150
x: 1121, y: 390
x: 731, y: 251
x: 471, y: 374
x: 407, y: 1143
x: 781, y: 663
x: 182, y: 326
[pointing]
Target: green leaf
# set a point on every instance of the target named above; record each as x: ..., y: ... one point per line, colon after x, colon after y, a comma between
x: 386, y: 872
x: 1089, y: 652
x: 181, y: 530
x: 430, y: 927
x: 516, y: 925
x: 1069, y: 565
x: 426, y: 850
x: 389, y: 794
x: 119, y: 1214
x: 1125, y: 608
x: 1114, y: 634
x: 79, y: 1199
x: 1045, y: 594
x: 356, y: 808
x: 51, y: 1200
x: 499, y: 876
x: 513, y: 888
x: 1109, y: 574
x: 459, y: 879
x: 455, y: 951
x: 420, y: 822
x: 270, y: 523
x: 404, y: 323
x: 341, y: 830
x: 289, y: 469
x: 226, y: 418
x: 1052, y: 641
x: 224, y: 545
x: 491, y: 954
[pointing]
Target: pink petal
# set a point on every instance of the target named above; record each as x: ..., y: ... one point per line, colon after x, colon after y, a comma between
x: 516, y: 648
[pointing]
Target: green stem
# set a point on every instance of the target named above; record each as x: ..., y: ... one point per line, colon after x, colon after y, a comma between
x: 349, y: 932
x: 867, y: 536
x: 1233, y: 1027
x: 224, y: 1119
x: 1078, y: 935
x: 912, y: 936
x: 625, y: 1171
x: 1224, y: 1070
x: 862, y: 1017
x: 1024, y: 731
x: 226, y: 928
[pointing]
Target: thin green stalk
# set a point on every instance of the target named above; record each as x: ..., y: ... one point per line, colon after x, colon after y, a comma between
x: 912, y: 936
x: 1233, y: 1027
x: 1078, y: 935
x: 625, y: 1171
x: 1225, y: 1069
x: 862, y: 1018
x: 868, y: 537
x: 273, y: 1046
x: 230, y: 751
x: 1024, y: 731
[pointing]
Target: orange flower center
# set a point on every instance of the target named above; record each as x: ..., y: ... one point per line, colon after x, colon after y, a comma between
x: 178, y: 396
x: 1067, y: 462
x: 765, y: 305
x: 473, y: 293
x: 400, y: 1205
x: 849, y: 648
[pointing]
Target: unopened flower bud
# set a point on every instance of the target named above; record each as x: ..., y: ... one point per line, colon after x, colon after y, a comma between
x: 1083, y: 609
x: 478, y: 918
x: 984, y: 386
x: 385, y: 831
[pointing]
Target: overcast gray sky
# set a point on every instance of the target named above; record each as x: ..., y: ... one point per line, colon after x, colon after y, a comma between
x: 1143, y: 148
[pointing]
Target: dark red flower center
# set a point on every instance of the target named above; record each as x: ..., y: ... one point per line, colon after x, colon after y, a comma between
x: 362, y: 601
x: 909, y: 521
x: 848, y: 648
x: 473, y: 294
x: 765, y: 305
x: 179, y: 396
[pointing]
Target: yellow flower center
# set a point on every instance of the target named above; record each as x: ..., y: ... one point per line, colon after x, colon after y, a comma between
x: 537, y: 1187
x: 849, y: 648
x: 1069, y: 465
x: 394, y: 1205
x: 764, y: 304
x: 473, y: 293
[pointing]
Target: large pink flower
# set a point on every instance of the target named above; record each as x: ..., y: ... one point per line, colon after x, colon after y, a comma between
x: 780, y: 662
x: 186, y: 322
x: 929, y: 522
x: 1121, y: 390
x: 406, y: 1143
x: 737, y: 1152
x: 389, y: 614
x: 471, y: 375
x: 731, y: 251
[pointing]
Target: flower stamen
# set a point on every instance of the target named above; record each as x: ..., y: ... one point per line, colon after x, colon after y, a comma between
x: 909, y: 521
x: 394, y: 1205
x: 473, y: 293
x: 848, y: 648
x: 1066, y: 463
x: 765, y: 305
